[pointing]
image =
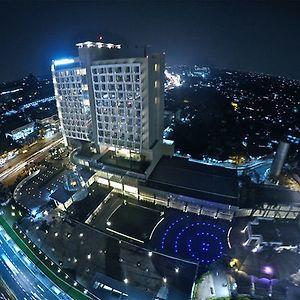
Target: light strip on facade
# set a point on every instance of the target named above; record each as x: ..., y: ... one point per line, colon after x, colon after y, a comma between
x: 63, y: 61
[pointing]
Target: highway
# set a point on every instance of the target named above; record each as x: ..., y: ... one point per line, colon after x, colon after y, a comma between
x: 21, y: 163
x: 25, y: 280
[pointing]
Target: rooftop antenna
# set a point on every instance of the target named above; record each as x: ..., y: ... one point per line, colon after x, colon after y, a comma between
x: 145, y: 49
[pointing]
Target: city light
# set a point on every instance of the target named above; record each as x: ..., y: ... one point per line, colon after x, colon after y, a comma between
x: 63, y: 61
x: 268, y: 270
x: 118, y: 166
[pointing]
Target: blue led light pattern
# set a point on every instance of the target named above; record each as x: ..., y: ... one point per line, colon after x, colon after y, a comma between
x: 202, y: 242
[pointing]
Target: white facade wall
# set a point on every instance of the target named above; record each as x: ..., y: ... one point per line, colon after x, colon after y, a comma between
x: 72, y: 103
x: 119, y: 105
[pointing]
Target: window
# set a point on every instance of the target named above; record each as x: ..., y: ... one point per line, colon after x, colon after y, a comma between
x: 156, y: 83
x: 112, y: 95
x: 156, y: 67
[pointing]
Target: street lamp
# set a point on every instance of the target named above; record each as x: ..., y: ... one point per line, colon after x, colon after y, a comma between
x: 268, y: 270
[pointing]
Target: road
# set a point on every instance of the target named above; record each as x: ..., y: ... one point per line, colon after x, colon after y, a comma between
x: 5, y: 292
x: 20, y: 162
x: 22, y: 276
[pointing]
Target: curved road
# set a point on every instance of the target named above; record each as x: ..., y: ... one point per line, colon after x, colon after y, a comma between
x: 22, y: 276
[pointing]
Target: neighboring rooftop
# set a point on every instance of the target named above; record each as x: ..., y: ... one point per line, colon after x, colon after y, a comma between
x: 86, y: 174
x: 179, y: 175
x: 272, y: 195
x: 62, y: 195
x: 15, y: 123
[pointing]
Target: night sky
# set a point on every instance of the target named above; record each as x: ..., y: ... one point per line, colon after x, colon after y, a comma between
x: 254, y: 36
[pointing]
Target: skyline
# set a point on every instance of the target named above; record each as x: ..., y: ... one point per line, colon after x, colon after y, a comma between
x: 154, y: 153
x: 254, y: 36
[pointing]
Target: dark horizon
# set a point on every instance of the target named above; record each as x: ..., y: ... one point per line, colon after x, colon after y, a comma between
x: 258, y: 37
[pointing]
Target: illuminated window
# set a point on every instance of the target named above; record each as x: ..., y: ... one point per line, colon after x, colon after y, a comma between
x: 156, y: 67
x: 156, y: 84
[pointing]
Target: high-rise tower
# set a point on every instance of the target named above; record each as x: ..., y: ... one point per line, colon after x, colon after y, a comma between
x: 111, y: 102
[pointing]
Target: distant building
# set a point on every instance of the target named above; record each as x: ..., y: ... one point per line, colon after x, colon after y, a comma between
x: 21, y: 132
x: 111, y: 102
